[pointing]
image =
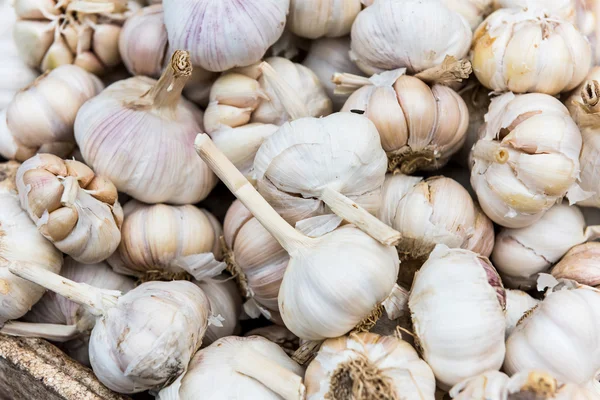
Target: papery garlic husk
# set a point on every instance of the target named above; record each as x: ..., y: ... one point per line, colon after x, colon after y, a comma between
x: 72, y: 207
x: 43, y: 113
x: 526, y: 160
x: 345, y: 257
x: 457, y: 303
x: 278, y: 334
x: 518, y: 303
x: 317, y: 18
x: 421, y: 126
x: 161, y: 242
x: 139, y: 134
x: 245, y: 31
x: 545, y: 339
x: 327, y: 56
x: 525, y: 50
x: 225, y: 301
x: 538, y: 385
x: 368, y: 366
x: 20, y: 242
x: 580, y: 264
x: 474, y: 11
x: 477, y: 98
x: 521, y: 254
x: 412, y: 34
x: 239, y: 368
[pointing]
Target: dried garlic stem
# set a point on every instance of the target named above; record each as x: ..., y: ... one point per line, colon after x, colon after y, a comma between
x: 449, y: 71
x: 54, y: 332
x: 355, y: 214
x: 277, y: 378
x: 307, y: 351
x: 286, y: 94
x: 348, y: 83
x: 289, y: 238
x: 490, y: 151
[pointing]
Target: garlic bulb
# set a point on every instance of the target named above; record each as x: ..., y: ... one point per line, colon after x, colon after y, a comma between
x: 457, y: 304
x: 163, y: 242
x: 526, y: 160
x: 561, y: 8
x: 414, y: 34
x: 225, y: 301
x: 527, y: 51
x: 239, y: 368
x: 345, y: 257
x: 327, y: 56
x: 518, y: 303
x: 138, y: 133
x: 521, y: 254
x: 41, y: 116
x: 244, y: 33
x: 72, y: 207
x: 278, y: 334
x: 368, y: 366
x: 580, y: 264
x: 420, y: 126
x: 141, y: 340
x: 20, y: 242
x: 477, y: 98
x: 546, y: 340
x: 474, y: 11
x: 54, y: 33
x: 318, y: 18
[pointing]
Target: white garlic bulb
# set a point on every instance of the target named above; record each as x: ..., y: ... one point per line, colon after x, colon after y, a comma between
x: 20, y: 242
x: 368, y: 366
x: 518, y: 303
x: 527, y: 51
x: 245, y: 31
x: 318, y: 18
x: 474, y: 11
x: 239, y: 368
x: 546, y: 340
x: 420, y: 126
x: 521, y: 254
x: 365, y: 268
x: 163, y: 242
x: 580, y: 264
x: 41, y: 116
x: 526, y: 160
x: 139, y: 134
x: 411, y: 34
x: 457, y: 304
x: 141, y: 340
x: 225, y: 301
x: 72, y: 207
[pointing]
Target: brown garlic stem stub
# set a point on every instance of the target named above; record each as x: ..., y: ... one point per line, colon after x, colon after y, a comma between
x: 449, y: 71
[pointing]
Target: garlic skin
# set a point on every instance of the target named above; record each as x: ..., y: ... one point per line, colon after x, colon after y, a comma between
x: 225, y: 301
x: 77, y: 210
x: 139, y: 133
x: 161, y: 241
x: 20, y: 243
x: 474, y: 11
x: 457, y: 288
x: 382, y: 365
x: 518, y: 303
x: 314, y: 19
x: 580, y: 264
x: 327, y: 56
x: 239, y: 368
x: 524, y: 50
x: 245, y: 33
x: 521, y: 254
x: 41, y: 116
x: 518, y: 173
x: 412, y: 34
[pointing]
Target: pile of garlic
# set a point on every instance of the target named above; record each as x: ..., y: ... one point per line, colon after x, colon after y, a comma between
x: 413, y: 208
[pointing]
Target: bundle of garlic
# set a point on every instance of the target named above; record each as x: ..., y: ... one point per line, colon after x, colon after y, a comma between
x: 314, y: 19
x: 518, y: 303
x: 545, y: 339
x: 421, y: 126
x: 58, y: 319
x: 411, y: 34
x: 139, y: 133
x: 580, y: 264
x: 310, y: 302
x: 474, y: 11
x: 20, y: 242
x: 164, y: 242
x: 525, y: 50
x: 278, y: 334
x: 244, y: 32
x: 54, y: 33
x: 457, y: 303
x: 239, y: 368
x: 225, y: 301
x: 41, y: 116
x: 368, y: 366
x: 526, y: 160
x: 141, y: 340
x: 521, y: 254
x: 71, y: 206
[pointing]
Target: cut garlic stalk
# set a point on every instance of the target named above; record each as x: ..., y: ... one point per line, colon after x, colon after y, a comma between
x: 518, y: 303
x: 580, y: 264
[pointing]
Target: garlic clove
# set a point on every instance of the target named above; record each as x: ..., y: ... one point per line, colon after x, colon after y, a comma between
x: 34, y: 9
x: 88, y: 61
x: 580, y: 264
x: 237, y: 90
x: 82, y: 172
x: 60, y: 223
x: 58, y: 54
x: 106, y: 44
x: 218, y: 115
x: 34, y: 40
x: 102, y: 189
x: 45, y: 191
x: 314, y: 19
